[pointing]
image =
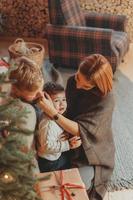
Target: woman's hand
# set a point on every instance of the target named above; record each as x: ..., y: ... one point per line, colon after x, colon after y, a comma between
x: 75, y: 142
x: 46, y: 104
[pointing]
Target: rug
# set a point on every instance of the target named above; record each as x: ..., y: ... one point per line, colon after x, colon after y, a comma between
x: 122, y: 125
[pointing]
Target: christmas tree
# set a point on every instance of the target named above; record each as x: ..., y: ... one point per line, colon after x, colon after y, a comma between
x: 16, y: 160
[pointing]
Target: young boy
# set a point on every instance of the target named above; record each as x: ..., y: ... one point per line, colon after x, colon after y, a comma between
x: 27, y: 82
x: 52, y: 150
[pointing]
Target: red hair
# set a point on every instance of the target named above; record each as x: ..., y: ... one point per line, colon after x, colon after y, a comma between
x: 97, y: 69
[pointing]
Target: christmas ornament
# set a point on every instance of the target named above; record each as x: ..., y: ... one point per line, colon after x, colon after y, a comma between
x: 4, y: 123
x: 4, y: 133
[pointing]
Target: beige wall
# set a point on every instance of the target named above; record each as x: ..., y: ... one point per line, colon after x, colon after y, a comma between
x: 112, y: 6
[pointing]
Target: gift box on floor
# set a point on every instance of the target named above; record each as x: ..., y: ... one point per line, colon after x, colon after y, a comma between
x: 62, y: 185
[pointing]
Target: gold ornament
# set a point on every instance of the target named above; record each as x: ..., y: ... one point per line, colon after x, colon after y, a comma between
x: 7, y: 177
x: 4, y: 122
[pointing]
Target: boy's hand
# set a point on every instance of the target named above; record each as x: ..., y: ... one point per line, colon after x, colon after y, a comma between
x: 75, y: 142
x: 64, y: 136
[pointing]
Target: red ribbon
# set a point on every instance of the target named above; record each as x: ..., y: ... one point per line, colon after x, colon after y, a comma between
x: 64, y: 188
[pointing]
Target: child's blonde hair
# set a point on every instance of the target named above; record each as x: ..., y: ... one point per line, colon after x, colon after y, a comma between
x: 97, y: 69
x: 27, y: 76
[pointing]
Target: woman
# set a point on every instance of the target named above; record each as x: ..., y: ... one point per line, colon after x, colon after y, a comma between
x: 89, y: 115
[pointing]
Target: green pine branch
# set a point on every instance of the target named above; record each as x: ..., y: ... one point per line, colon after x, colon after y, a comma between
x: 14, y: 163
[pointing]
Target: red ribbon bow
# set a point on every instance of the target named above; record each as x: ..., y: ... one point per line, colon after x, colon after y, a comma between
x: 64, y: 188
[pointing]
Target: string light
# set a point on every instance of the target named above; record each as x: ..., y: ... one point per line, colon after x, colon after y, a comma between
x: 7, y: 177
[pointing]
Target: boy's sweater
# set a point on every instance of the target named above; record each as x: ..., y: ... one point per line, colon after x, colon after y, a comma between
x: 49, y: 139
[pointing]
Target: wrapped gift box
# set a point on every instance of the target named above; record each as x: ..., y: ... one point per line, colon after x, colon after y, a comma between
x: 62, y: 185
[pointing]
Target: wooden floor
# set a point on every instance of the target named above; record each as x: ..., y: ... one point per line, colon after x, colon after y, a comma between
x: 126, y: 68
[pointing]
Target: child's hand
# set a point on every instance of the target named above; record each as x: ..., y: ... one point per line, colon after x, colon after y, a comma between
x: 64, y: 136
x: 75, y: 142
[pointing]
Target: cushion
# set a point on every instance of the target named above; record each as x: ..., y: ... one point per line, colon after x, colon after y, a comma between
x: 64, y: 12
x: 72, y: 13
x: 55, y: 12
